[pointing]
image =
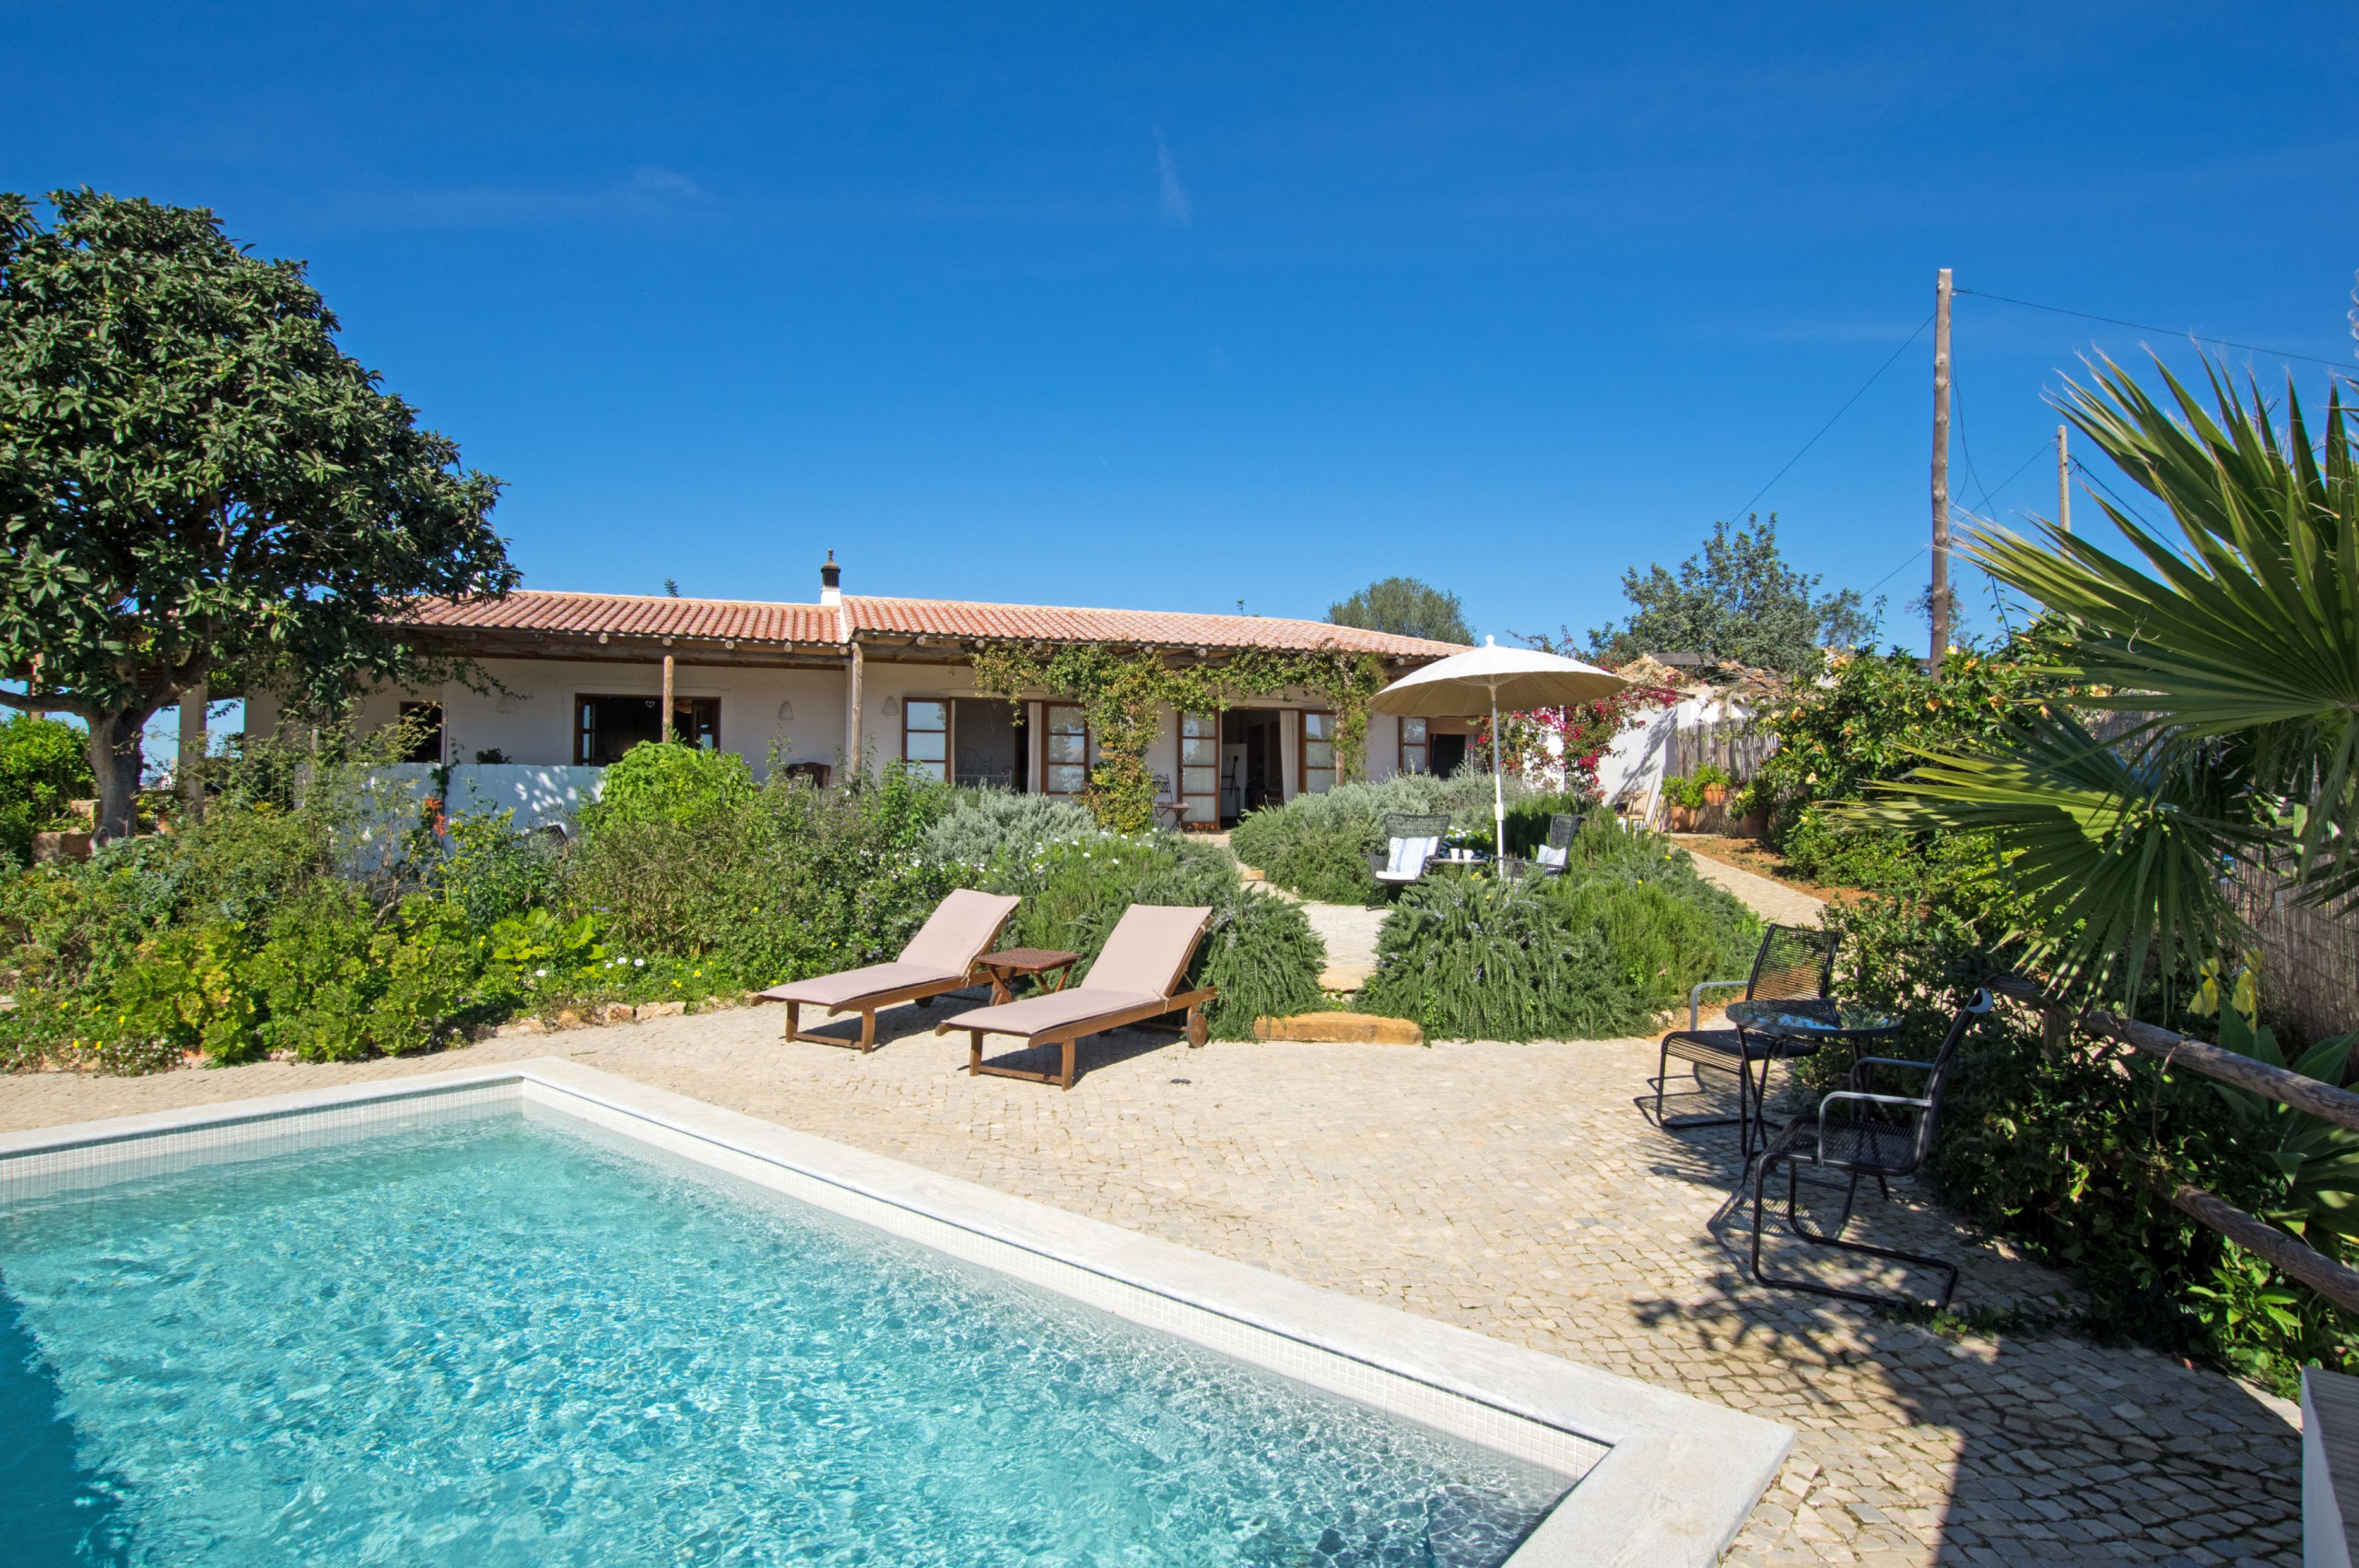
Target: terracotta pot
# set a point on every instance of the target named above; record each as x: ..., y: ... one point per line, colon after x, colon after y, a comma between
x: 1683, y: 819
x: 1714, y: 794
x: 1754, y: 826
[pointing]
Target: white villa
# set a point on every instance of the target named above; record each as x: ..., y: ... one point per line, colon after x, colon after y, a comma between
x: 584, y: 676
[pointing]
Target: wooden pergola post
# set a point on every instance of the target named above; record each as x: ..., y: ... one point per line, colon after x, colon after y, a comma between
x: 665, y: 733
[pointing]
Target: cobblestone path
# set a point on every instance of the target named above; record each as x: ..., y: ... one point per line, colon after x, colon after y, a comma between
x: 1516, y: 1191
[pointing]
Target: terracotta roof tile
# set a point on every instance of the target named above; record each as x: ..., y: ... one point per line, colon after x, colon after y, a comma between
x: 635, y: 614
x: 631, y: 614
x: 1169, y: 629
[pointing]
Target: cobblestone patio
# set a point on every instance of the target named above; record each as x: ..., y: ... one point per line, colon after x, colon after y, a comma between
x: 1513, y: 1189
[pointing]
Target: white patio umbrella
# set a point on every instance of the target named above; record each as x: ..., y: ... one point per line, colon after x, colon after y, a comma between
x: 1514, y: 678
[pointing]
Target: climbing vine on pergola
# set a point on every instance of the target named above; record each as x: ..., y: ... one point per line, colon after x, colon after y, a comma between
x: 1123, y: 690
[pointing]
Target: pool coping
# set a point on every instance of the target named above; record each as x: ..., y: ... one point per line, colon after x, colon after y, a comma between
x: 1663, y: 1477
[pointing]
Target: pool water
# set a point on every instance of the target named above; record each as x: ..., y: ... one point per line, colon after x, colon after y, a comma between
x: 504, y: 1341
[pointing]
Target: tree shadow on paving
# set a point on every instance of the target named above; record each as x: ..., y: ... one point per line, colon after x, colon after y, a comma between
x: 2035, y: 1445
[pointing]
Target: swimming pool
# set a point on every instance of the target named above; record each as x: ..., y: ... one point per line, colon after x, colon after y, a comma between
x: 483, y: 1329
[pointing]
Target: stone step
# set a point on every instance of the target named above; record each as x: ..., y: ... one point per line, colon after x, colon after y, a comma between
x: 1340, y: 1028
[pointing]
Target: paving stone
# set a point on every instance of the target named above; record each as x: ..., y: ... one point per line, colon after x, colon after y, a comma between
x: 1517, y: 1191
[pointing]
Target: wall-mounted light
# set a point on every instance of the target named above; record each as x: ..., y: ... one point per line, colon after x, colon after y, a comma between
x: 786, y: 712
x: 892, y: 705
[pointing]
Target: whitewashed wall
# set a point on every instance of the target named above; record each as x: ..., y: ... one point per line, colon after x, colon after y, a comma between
x: 531, y: 720
x: 1631, y: 772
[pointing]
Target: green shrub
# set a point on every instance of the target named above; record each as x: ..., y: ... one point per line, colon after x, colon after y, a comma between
x: 983, y: 825
x: 1261, y: 954
x: 492, y: 872
x: 190, y: 991
x: 792, y: 882
x: 672, y: 783
x: 1599, y: 952
x: 43, y: 764
x: 1867, y: 726
x: 314, y: 975
x: 1318, y: 845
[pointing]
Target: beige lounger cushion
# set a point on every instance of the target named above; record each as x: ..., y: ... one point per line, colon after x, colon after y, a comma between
x: 962, y: 926
x: 1148, y: 950
x: 838, y: 990
x: 1035, y: 1014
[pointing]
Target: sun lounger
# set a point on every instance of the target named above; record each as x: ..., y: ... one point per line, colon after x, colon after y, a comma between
x: 1136, y: 977
x: 938, y: 960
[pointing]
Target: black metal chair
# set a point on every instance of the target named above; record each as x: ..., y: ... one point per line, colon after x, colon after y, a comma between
x: 1882, y: 1136
x: 1792, y: 962
x: 1563, y: 828
x: 1401, y: 827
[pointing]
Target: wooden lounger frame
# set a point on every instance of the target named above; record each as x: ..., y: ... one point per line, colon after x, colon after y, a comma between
x: 867, y: 1006
x: 1071, y: 1034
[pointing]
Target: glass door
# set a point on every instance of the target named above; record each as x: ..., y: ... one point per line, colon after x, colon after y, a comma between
x: 1064, y: 751
x: 1413, y: 755
x: 1318, y: 752
x: 1200, y: 767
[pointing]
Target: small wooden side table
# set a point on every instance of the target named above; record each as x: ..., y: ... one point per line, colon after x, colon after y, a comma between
x: 1012, y: 963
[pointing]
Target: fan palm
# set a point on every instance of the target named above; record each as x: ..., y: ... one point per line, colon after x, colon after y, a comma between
x: 2230, y: 655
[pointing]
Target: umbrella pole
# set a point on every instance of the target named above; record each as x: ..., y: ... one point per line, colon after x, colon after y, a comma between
x: 1498, y: 785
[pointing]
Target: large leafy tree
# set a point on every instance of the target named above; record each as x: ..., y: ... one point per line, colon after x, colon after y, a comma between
x: 2215, y: 709
x: 1405, y: 607
x: 1737, y: 599
x: 196, y: 483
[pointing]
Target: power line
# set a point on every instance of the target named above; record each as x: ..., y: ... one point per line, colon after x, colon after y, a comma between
x: 1896, y: 570
x: 2036, y: 453
x: 1967, y: 447
x: 1737, y: 515
x: 2147, y: 326
x: 2091, y: 476
x: 2000, y: 488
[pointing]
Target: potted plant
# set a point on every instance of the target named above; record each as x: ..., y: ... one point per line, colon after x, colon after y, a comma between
x: 1750, y: 807
x: 1685, y: 796
x: 1712, y: 781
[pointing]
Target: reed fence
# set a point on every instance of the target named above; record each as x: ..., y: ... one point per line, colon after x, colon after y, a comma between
x: 1737, y: 745
x: 2310, y: 953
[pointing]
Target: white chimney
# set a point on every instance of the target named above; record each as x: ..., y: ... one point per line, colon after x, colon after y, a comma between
x: 831, y: 578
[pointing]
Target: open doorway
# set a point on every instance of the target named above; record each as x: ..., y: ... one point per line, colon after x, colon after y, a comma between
x: 987, y: 744
x: 1252, y: 762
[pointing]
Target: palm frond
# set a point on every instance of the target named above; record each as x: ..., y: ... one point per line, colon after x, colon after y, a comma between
x: 2245, y: 625
x: 2119, y: 850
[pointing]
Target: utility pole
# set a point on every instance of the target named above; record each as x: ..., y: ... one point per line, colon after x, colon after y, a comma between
x: 1940, y: 597
x: 2063, y: 483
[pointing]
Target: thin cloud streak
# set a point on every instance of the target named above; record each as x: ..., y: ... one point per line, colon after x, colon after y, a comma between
x: 1177, y: 207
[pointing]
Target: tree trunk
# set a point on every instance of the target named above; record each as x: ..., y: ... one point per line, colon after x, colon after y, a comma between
x: 114, y: 757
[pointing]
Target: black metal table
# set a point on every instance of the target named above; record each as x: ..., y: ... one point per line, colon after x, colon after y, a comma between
x: 1796, y: 1028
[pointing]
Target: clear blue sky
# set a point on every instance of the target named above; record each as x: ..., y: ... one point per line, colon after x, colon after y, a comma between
x: 1175, y: 306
